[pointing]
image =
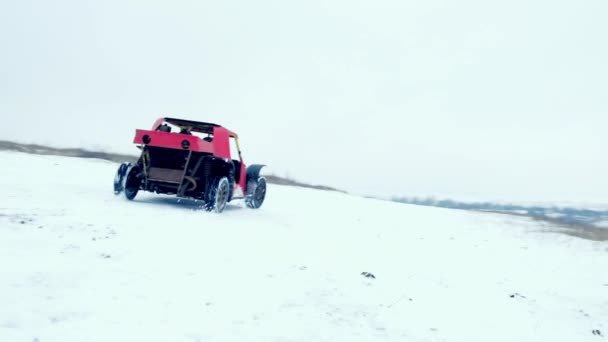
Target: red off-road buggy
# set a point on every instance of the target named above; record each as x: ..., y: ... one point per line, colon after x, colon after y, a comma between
x: 191, y: 159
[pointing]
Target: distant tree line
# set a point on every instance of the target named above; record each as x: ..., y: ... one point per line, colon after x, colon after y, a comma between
x: 565, y: 215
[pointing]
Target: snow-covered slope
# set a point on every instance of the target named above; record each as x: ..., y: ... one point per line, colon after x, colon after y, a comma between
x: 79, y: 264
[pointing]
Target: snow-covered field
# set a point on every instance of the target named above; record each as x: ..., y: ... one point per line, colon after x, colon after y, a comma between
x: 79, y: 264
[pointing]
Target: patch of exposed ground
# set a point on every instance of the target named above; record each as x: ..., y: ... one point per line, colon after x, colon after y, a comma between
x: 580, y: 230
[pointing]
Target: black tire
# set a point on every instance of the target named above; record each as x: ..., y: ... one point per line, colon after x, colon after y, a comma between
x: 219, y: 196
x: 256, y: 193
x: 132, y: 182
x: 119, y: 178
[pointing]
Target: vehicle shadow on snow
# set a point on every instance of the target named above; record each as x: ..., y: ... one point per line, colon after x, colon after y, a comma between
x: 183, y: 203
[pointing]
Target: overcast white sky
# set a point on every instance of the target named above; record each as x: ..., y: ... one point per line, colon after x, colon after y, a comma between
x: 381, y: 97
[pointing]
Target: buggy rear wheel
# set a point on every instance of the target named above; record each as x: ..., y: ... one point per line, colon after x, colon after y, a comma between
x: 132, y: 182
x: 257, y: 193
x: 119, y: 178
x: 219, y: 195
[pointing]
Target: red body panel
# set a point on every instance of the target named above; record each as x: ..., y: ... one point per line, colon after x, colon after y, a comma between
x: 221, y: 142
x: 172, y: 140
x: 243, y: 179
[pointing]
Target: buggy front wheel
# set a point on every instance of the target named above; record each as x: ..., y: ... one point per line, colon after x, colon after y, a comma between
x: 256, y: 193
